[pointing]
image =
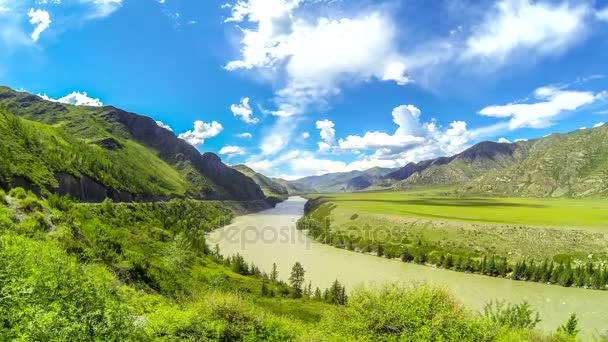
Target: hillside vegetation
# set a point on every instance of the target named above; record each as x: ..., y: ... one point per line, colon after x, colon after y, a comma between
x: 92, y: 153
x: 143, y: 272
x: 270, y: 186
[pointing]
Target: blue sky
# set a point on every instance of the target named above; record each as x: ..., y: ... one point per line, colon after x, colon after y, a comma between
x: 302, y: 87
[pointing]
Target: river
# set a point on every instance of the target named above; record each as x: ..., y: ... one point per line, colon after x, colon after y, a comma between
x: 270, y: 236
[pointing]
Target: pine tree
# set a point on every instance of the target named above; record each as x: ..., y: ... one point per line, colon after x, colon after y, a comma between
x: 318, y: 295
x: 297, y: 280
x: 484, y: 266
x: 571, y: 326
x: 274, y: 274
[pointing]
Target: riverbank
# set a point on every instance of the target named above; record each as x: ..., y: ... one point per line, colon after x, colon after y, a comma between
x: 271, y: 237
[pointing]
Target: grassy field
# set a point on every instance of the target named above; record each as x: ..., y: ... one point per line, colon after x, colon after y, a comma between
x: 439, y: 224
x: 572, y: 213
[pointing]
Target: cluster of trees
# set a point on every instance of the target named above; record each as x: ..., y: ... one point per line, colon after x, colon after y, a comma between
x: 272, y: 286
x: 565, y: 273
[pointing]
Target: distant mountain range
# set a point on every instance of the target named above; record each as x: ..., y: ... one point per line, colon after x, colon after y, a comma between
x: 559, y: 165
x: 92, y: 153
x: 341, y: 182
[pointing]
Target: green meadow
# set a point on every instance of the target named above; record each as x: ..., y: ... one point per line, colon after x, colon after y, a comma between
x: 571, y: 213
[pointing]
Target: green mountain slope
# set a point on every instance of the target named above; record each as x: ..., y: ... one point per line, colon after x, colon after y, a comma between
x: 96, y: 152
x: 464, y: 167
x: 269, y: 186
x: 570, y: 165
x: 560, y: 165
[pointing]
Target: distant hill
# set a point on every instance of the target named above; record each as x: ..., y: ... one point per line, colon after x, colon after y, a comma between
x: 342, y: 181
x: 96, y: 152
x: 560, y: 165
x: 268, y: 185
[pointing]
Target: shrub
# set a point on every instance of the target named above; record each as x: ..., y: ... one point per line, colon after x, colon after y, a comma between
x: 7, y: 219
x: 33, y: 224
x: 30, y: 204
x: 2, y: 197
x: 394, y: 313
x: 83, y: 306
x: 18, y: 193
x: 62, y: 203
x: 513, y: 316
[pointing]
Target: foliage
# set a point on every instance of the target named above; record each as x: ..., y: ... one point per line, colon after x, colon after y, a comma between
x: 513, y: 316
x: 18, y: 193
x: 296, y: 279
x: 56, y: 298
x: 570, y: 328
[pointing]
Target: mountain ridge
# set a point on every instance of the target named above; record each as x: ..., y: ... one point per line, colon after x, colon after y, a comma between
x: 107, y: 149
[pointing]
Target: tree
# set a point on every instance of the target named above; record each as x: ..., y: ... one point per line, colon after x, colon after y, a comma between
x: 274, y: 274
x: 296, y: 279
x: 571, y: 326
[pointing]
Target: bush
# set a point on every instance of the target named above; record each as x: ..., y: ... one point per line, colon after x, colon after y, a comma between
x: 513, y: 316
x: 18, y: 193
x: 2, y: 197
x: 83, y: 306
x: 33, y: 224
x: 7, y: 219
x: 62, y: 203
x: 394, y: 313
x: 30, y: 204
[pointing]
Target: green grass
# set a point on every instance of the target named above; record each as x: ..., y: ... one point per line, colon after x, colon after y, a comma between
x: 579, y: 213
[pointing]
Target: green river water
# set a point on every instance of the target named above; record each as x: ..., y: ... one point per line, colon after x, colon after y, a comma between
x: 270, y: 236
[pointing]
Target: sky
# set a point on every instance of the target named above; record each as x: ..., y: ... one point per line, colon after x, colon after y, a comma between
x: 294, y: 88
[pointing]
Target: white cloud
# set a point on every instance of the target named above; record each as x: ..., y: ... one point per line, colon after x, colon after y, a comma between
x: 76, y: 98
x: 243, y: 111
x: 520, y: 140
x: 201, y: 132
x: 327, y: 133
x: 163, y: 125
x: 102, y: 8
x: 504, y: 140
x: 316, y: 55
x: 602, y: 14
x: 582, y: 128
x: 305, y: 135
x: 599, y: 124
x: 41, y: 20
x: 244, y: 135
x: 525, y: 27
x: 553, y: 102
x: 232, y: 151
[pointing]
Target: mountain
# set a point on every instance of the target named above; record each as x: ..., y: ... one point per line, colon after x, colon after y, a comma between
x: 560, y: 165
x: 92, y: 153
x: 269, y: 186
x: 461, y: 168
x: 341, y: 181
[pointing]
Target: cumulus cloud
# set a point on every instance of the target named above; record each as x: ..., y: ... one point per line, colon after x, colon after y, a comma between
x: 316, y: 54
x: 243, y: 111
x: 232, y: 151
x: 162, y: 125
x: 244, y: 135
x: 504, y: 140
x: 599, y: 124
x: 552, y: 102
x: 41, y: 20
x: 305, y: 135
x: 76, y: 98
x: 327, y: 133
x: 201, y: 132
x: 525, y: 27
